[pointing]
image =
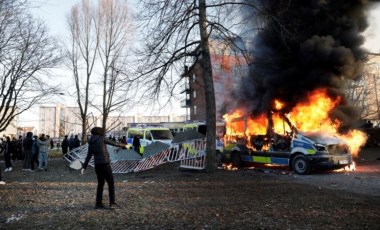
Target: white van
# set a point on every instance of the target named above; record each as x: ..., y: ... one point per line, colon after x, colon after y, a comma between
x: 149, y: 135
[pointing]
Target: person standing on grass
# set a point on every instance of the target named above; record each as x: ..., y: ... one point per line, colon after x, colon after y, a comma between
x: 18, y: 153
x: 1, y: 179
x: 97, y: 148
x: 51, y: 143
x: 8, y: 151
x: 71, y: 142
x: 43, y: 145
x: 28, y: 146
x: 136, y: 143
x: 76, y: 142
x: 2, y: 145
x: 65, y: 145
x: 35, y: 153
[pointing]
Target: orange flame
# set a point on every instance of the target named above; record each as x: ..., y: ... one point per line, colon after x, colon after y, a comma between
x: 349, y: 168
x: 312, y: 115
x: 278, y: 105
x: 229, y: 167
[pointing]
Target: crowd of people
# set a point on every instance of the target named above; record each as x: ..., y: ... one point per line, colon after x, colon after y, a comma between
x: 32, y: 151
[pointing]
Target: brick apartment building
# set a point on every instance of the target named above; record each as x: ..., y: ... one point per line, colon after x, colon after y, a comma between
x: 228, y: 66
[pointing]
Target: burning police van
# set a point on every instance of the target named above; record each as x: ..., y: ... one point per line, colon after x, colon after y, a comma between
x: 300, y: 151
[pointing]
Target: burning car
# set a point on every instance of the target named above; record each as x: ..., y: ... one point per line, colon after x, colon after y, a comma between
x: 300, y: 151
x: 302, y: 138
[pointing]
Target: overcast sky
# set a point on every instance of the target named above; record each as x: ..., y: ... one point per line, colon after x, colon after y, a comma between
x: 54, y: 12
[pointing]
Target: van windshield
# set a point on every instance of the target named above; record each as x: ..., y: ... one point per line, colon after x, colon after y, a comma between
x: 161, y: 134
x: 132, y: 133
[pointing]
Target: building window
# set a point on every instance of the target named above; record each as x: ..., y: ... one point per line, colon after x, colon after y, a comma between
x: 195, y: 109
x: 194, y: 94
x: 194, y: 76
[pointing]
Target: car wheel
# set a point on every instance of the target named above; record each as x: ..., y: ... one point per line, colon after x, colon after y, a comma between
x: 236, y: 159
x: 301, y: 165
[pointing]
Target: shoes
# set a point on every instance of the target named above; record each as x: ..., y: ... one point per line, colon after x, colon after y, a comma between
x: 99, y: 206
x: 2, y: 182
x: 114, y: 206
x: 10, y: 169
x: 6, y: 170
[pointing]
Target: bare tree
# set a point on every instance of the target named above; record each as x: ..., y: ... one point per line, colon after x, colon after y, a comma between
x: 26, y: 55
x: 82, y: 54
x: 113, y: 25
x: 97, y: 56
x: 364, y: 93
x: 178, y: 34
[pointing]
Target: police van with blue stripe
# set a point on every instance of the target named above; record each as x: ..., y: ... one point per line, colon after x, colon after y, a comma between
x: 300, y: 151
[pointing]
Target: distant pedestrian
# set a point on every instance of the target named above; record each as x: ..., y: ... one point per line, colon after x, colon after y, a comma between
x: 74, y: 142
x: 43, y: 143
x: 28, y: 146
x: 1, y: 179
x: 51, y: 143
x: 97, y: 148
x: 19, y: 148
x: 8, y: 151
x: 2, y: 145
x: 65, y: 145
x: 17, y: 151
x: 136, y: 143
x: 35, y: 153
x: 123, y: 140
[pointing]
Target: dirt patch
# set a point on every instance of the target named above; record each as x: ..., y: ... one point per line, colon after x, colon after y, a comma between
x: 166, y: 198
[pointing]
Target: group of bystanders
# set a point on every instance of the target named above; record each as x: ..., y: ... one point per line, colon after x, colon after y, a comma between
x: 31, y: 150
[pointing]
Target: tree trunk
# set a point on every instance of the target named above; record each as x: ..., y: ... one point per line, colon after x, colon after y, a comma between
x: 209, y: 89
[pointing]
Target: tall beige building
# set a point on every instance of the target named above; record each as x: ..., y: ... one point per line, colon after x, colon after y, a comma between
x: 59, y: 120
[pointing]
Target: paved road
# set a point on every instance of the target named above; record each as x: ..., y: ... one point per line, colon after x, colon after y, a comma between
x: 364, y: 180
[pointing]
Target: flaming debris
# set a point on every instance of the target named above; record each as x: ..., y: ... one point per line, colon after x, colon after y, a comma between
x: 350, y: 168
x: 229, y: 167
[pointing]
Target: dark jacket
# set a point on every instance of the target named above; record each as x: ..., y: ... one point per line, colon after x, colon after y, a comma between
x: 65, y: 144
x: 97, y: 148
x: 28, y: 142
x: 9, y: 147
x: 35, y: 148
x: 74, y: 143
x: 136, y: 142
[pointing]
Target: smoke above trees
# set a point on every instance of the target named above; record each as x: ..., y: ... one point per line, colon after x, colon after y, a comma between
x: 303, y: 46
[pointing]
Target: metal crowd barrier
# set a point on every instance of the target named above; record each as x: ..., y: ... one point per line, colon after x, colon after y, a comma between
x: 191, y: 154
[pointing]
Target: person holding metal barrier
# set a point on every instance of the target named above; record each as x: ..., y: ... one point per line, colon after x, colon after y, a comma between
x: 97, y: 148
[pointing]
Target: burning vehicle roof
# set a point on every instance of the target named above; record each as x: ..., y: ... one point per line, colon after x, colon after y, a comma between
x: 323, y: 138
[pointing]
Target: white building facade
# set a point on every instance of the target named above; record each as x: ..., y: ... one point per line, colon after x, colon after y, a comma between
x: 59, y: 120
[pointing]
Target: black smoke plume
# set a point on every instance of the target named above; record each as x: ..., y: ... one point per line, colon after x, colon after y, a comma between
x: 305, y: 45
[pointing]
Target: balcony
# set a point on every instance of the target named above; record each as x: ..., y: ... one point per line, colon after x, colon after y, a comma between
x: 185, y: 103
x: 187, y: 91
